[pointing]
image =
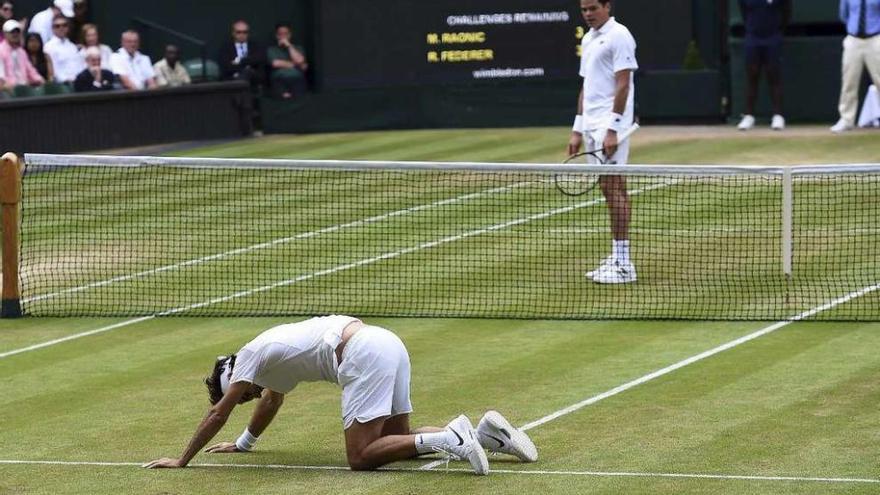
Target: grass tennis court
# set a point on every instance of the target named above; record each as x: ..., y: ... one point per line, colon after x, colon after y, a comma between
x: 798, y: 402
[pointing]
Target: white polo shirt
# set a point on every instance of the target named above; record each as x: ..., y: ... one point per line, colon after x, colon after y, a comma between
x: 283, y: 356
x: 136, y: 67
x: 605, y: 52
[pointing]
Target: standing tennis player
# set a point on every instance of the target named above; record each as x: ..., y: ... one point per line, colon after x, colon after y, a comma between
x: 605, y: 109
x: 372, y: 366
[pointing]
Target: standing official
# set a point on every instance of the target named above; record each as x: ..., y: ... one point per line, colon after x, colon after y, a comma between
x: 765, y: 22
x: 861, y: 48
x: 605, y: 109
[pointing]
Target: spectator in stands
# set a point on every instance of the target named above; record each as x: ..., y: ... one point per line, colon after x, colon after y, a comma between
x: 169, y: 71
x: 15, y: 62
x: 288, y: 64
x: 33, y: 45
x: 89, y: 37
x: 765, y: 22
x: 133, y: 68
x: 65, y: 55
x: 42, y: 21
x: 242, y: 58
x: 94, y: 77
x: 861, y: 47
x: 7, y: 13
x: 80, y: 16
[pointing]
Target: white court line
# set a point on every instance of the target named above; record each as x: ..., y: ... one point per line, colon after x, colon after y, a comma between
x: 347, y: 266
x: 275, y: 242
x: 681, y: 364
x: 803, y: 479
x: 76, y: 336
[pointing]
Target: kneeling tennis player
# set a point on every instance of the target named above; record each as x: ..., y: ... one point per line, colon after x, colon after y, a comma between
x: 372, y: 366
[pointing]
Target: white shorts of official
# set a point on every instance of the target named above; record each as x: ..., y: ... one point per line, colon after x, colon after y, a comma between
x: 595, y: 139
x: 374, y: 375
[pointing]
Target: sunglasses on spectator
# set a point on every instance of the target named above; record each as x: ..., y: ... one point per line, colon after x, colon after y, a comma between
x: 60, y: 25
x: 241, y: 32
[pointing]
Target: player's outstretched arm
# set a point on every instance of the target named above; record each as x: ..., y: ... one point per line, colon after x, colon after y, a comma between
x: 264, y: 413
x: 208, y: 428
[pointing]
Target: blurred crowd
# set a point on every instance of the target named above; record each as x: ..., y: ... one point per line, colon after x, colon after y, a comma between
x: 59, y: 51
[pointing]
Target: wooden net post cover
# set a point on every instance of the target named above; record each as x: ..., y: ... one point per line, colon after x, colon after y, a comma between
x: 10, y: 204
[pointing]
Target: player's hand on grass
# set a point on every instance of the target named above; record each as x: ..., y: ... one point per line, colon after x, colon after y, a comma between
x: 574, y: 143
x: 223, y: 448
x: 164, y: 462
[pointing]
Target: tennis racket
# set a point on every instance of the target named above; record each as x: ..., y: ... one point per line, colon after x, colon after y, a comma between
x: 578, y: 184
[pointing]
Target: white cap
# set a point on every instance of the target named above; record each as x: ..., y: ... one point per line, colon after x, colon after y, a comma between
x: 11, y: 25
x: 65, y: 6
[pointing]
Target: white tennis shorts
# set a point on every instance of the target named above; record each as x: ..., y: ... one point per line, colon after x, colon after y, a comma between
x: 374, y: 375
x: 595, y: 139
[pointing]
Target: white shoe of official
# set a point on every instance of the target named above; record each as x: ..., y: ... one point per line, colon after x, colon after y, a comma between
x: 778, y: 123
x: 497, y: 435
x: 606, y: 262
x: 841, y: 126
x: 747, y: 122
x: 617, y: 273
x: 468, y: 446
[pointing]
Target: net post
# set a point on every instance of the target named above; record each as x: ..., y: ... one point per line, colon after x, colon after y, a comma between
x: 787, y: 220
x: 10, y: 205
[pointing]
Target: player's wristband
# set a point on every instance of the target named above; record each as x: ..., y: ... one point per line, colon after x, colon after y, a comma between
x: 578, y: 126
x: 246, y: 441
x: 616, y: 124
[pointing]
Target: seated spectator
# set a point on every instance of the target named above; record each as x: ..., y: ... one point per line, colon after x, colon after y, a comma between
x: 33, y: 46
x: 65, y: 55
x: 94, y: 78
x: 89, y: 37
x: 288, y: 64
x: 241, y: 58
x: 133, y: 68
x: 7, y: 13
x: 14, y: 60
x: 42, y: 21
x: 169, y: 71
x: 80, y: 16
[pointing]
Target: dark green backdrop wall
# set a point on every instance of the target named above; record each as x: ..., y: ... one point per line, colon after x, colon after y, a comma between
x: 663, y: 28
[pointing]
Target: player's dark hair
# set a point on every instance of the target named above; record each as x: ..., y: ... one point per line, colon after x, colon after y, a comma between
x: 215, y: 392
x: 604, y: 2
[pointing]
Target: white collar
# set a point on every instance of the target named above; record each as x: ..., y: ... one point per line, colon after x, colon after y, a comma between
x: 608, y: 26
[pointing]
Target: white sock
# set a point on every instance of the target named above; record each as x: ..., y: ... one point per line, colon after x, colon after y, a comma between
x: 620, y: 251
x: 425, y: 442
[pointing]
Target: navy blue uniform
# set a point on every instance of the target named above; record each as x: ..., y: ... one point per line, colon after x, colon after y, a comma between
x: 764, y: 21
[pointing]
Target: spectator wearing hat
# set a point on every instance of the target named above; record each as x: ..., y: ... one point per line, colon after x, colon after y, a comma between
x: 7, y: 13
x: 94, y: 77
x: 133, y: 68
x: 42, y: 21
x: 14, y: 60
x: 169, y: 71
x: 65, y: 55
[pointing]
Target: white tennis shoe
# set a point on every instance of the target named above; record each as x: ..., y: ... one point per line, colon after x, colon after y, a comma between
x: 747, y: 122
x: 841, y: 126
x: 467, y: 446
x: 778, y: 123
x: 616, y: 273
x: 497, y: 435
x: 606, y: 262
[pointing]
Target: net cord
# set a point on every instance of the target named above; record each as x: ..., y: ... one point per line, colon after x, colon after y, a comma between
x: 54, y: 160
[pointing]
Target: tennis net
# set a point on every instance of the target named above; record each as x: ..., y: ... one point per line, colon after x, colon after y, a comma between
x: 132, y: 236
